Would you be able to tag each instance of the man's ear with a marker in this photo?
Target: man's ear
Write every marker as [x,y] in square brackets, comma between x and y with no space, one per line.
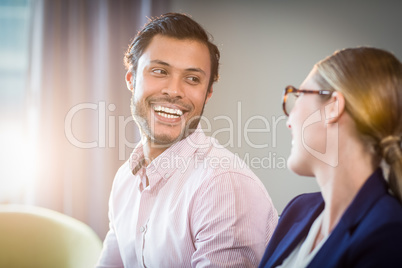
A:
[130,80]
[209,94]
[335,108]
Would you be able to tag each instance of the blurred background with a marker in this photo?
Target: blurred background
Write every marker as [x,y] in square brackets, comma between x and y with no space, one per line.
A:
[65,123]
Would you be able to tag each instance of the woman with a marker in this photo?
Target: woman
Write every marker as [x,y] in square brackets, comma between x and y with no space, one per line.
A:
[345,124]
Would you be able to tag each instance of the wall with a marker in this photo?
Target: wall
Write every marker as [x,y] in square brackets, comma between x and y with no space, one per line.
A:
[267,45]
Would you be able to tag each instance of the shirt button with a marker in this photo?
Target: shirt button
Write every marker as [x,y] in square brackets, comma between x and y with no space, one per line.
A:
[142,229]
[167,175]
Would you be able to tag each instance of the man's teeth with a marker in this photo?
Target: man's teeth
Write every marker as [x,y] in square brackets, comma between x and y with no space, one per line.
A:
[168,115]
[168,112]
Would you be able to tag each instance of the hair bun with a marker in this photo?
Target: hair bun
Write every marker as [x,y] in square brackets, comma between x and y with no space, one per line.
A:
[391,148]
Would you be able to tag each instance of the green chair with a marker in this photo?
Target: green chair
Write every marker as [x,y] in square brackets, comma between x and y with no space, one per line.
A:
[33,237]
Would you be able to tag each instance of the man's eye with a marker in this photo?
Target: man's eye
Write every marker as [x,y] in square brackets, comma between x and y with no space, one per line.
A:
[159,71]
[193,79]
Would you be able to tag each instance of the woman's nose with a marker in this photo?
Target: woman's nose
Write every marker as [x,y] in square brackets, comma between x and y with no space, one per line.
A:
[288,123]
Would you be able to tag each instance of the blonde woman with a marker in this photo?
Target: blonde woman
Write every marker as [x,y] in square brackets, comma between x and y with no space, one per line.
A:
[346,127]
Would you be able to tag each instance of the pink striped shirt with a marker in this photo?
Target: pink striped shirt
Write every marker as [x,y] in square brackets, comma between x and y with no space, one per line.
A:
[203,207]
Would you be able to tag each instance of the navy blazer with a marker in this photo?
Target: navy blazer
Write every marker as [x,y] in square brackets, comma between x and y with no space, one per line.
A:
[369,234]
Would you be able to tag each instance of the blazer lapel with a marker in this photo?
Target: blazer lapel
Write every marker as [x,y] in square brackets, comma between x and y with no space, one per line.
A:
[294,235]
[372,190]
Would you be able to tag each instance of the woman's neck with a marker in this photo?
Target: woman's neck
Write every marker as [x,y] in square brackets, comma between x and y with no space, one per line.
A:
[339,185]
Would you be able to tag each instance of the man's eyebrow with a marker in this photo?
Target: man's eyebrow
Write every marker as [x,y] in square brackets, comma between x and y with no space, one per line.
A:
[199,70]
[196,70]
[160,62]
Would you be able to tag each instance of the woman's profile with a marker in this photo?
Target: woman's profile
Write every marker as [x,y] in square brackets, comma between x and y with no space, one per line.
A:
[346,125]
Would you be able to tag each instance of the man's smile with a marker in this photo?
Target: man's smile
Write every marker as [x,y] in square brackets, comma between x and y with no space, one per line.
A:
[168,112]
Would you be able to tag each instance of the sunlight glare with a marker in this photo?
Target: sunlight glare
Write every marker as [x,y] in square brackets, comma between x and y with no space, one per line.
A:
[18,163]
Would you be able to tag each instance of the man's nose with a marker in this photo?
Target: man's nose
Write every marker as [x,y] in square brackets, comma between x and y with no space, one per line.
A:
[174,88]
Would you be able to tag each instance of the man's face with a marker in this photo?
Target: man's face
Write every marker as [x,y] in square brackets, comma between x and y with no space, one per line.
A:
[170,88]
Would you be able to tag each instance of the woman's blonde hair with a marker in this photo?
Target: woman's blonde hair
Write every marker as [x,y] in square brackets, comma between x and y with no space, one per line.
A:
[371,81]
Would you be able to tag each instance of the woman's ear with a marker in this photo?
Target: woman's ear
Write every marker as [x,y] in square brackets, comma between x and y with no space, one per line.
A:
[129,80]
[335,108]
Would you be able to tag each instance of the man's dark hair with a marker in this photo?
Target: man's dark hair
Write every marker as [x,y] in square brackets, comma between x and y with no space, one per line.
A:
[174,25]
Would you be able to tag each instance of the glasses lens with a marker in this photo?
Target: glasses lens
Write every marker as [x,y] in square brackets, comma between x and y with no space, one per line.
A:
[290,102]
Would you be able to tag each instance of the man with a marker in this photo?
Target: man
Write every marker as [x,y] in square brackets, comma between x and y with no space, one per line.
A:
[180,200]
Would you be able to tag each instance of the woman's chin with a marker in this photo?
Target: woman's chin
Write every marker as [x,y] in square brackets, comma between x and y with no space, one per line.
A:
[298,166]
[290,164]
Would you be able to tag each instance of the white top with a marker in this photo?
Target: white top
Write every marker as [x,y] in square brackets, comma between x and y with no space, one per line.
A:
[302,254]
[203,207]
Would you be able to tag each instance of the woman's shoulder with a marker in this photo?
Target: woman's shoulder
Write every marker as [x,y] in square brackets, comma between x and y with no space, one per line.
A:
[385,211]
[302,206]
[378,244]
[304,201]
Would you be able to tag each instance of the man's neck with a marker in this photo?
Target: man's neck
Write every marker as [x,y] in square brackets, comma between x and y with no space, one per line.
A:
[152,151]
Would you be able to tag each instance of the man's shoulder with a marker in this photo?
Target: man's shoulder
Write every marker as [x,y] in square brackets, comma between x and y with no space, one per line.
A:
[220,159]
[217,166]
[124,168]
[124,172]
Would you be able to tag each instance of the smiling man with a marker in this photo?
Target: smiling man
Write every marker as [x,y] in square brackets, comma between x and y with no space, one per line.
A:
[171,89]
[181,200]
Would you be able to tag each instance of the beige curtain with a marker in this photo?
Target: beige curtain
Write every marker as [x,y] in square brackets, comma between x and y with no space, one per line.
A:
[78,105]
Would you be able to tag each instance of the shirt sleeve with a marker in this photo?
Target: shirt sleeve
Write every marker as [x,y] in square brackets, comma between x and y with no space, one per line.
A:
[232,222]
[110,255]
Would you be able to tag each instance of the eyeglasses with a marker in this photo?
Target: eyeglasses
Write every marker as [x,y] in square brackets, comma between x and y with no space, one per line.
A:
[290,95]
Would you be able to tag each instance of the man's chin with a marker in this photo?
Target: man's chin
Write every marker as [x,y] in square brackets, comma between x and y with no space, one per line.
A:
[165,141]
[164,136]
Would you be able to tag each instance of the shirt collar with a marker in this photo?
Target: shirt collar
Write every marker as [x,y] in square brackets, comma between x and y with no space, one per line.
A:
[173,159]
[136,159]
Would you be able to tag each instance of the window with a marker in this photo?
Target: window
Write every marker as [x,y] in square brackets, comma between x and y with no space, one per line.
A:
[14,46]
